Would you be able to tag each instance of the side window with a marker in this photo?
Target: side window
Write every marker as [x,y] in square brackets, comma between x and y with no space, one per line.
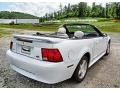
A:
[89,32]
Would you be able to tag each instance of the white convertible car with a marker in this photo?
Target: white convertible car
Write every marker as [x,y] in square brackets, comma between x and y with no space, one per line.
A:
[55,57]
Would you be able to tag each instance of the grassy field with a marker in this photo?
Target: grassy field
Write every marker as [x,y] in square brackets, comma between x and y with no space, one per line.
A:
[45,27]
[5,32]
[104,26]
[109,27]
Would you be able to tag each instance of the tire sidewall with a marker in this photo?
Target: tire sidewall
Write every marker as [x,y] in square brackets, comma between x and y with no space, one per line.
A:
[108,49]
[76,73]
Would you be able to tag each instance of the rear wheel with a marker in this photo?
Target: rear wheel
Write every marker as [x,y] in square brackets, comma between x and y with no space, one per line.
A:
[81,69]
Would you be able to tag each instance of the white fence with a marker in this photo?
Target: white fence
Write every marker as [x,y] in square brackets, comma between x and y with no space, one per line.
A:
[17,21]
[78,20]
[55,21]
[82,20]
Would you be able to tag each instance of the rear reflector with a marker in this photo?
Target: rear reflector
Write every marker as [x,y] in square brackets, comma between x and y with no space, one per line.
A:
[51,55]
[11,45]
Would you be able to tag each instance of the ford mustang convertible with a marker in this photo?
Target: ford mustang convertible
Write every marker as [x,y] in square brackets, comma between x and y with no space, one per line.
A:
[58,56]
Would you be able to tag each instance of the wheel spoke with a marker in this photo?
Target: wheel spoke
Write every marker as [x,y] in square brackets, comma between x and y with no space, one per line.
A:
[83,68]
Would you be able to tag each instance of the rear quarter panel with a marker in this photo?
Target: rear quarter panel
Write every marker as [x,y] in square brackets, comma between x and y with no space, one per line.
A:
[73,50]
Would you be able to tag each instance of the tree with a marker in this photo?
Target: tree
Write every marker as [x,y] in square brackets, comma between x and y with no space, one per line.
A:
[98,11]
[88,11]
[65,12]
[107,10]
[46,16]
[55,15]
[74,10]
[15,15]
[82,7]
[118,10]
[111,10]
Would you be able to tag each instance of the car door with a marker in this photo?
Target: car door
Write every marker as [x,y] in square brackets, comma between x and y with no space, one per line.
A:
[102,44]
[99,41]
[99,46]
[92,33]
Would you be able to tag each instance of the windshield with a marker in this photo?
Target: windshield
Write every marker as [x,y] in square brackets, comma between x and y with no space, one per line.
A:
[88,30]
[83,28]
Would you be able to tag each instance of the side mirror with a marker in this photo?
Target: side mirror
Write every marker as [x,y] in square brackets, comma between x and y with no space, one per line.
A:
[104,34]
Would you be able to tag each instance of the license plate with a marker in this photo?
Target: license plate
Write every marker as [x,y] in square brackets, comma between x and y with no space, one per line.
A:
[26,49]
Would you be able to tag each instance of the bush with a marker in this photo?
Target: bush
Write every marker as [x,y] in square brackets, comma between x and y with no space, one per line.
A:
[115,20]
[103,19]
[11,23]
[36,25]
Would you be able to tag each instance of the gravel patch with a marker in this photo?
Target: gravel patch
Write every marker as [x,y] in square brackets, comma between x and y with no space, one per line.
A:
[104,73]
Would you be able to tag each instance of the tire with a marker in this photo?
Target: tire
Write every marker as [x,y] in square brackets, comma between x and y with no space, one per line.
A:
[81,70]
[108,49]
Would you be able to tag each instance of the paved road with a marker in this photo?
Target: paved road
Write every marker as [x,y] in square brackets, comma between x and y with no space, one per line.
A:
[105,73]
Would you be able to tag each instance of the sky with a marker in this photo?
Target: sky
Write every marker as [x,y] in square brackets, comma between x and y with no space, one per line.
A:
[35,8]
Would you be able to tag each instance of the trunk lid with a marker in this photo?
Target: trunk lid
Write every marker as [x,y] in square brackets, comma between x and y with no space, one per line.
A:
[30,46]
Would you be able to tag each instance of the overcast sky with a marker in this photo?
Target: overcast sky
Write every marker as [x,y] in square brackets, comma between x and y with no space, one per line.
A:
[34,8]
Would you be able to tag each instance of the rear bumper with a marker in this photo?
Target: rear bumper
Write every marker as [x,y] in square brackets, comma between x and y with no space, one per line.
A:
[46,72]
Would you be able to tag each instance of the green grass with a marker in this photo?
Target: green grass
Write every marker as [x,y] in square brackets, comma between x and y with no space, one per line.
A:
[109,27]
[4,33]
[113,27]
[45,27]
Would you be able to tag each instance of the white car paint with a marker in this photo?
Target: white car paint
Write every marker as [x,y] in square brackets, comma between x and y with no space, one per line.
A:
[72,50]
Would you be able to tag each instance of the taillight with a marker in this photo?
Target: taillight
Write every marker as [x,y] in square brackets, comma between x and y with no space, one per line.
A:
[52,55]
[11,45]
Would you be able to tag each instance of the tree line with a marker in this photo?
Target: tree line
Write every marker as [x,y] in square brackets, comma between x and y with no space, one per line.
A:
[81,10]
[15,15]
